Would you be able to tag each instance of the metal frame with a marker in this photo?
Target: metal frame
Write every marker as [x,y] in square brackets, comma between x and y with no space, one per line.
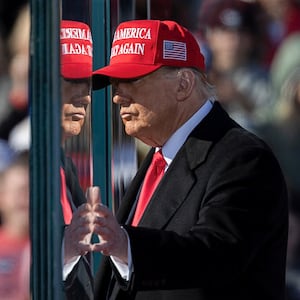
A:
[44,98]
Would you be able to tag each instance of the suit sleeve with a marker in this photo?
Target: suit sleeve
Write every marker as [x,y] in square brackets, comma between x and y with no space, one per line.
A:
[79,283]
[232,218]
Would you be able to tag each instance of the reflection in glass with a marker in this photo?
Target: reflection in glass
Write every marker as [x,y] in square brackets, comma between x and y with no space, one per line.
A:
[78,147]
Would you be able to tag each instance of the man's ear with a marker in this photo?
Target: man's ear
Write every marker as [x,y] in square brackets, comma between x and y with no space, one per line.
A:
[186,84]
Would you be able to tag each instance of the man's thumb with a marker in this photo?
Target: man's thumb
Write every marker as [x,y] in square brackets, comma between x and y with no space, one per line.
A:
[93,195]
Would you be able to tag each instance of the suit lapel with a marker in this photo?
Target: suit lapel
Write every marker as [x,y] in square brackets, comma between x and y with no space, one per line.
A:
[175,185]
[179,178]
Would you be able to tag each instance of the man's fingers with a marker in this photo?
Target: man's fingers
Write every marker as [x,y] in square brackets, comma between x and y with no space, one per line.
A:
[93,195]
[83,247]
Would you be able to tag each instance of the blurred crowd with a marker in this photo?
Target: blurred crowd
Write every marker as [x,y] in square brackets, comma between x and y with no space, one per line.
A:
[253,58]
[14,79]
[252,52]
[14,229]
[14,151]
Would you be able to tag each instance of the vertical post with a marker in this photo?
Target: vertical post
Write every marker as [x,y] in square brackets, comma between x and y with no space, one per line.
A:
[44,95]
[101,104]
[101,107]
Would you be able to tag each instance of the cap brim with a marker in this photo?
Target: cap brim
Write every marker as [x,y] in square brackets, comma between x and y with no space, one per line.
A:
[122,71]
[76,70]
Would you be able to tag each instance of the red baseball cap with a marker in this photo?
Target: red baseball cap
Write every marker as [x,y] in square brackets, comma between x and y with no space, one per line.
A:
[140,47]
[76,50]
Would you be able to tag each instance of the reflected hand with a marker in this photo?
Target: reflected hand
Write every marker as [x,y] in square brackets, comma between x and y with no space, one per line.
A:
[77,237]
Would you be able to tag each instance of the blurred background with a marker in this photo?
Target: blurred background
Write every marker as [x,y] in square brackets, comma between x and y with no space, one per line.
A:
[252,53]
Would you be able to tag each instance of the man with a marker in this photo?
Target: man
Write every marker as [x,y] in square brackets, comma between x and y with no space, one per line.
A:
[76,72]
[216,225]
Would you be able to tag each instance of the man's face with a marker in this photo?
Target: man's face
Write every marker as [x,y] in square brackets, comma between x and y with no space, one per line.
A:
[76,95]
[148,105]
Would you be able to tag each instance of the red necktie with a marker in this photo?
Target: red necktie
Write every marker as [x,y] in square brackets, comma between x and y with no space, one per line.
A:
[66,207]
[154,174]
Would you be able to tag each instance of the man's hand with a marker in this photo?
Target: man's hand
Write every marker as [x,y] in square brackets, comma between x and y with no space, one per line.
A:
[94,217]
[112,238]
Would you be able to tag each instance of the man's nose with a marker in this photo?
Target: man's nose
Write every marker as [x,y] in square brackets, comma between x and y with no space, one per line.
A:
[83,95]
[82,99]
[120,93]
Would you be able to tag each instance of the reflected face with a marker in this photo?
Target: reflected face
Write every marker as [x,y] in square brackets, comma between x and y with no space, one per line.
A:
[76,96]
[146,103]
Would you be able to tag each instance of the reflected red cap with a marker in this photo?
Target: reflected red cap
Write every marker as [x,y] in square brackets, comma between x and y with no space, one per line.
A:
[76,50]
[140,47]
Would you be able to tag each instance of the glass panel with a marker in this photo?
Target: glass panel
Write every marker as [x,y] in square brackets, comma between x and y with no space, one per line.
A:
[128,152]
[124,154]
[78,146]
[75,160]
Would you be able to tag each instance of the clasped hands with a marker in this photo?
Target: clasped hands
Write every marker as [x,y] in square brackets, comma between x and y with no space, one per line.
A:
[94,218]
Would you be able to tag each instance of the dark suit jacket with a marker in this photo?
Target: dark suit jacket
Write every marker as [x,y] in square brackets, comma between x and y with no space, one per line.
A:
[79,283]
[216,227]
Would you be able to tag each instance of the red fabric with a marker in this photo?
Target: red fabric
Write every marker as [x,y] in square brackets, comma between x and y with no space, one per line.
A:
[76,50]
[142,46]
[152,178]
[66,207]
[14,267]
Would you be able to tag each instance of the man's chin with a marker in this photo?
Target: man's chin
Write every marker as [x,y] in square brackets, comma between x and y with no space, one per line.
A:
[72,130]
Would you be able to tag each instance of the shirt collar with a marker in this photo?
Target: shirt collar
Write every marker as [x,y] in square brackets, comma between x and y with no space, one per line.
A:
[174,143]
